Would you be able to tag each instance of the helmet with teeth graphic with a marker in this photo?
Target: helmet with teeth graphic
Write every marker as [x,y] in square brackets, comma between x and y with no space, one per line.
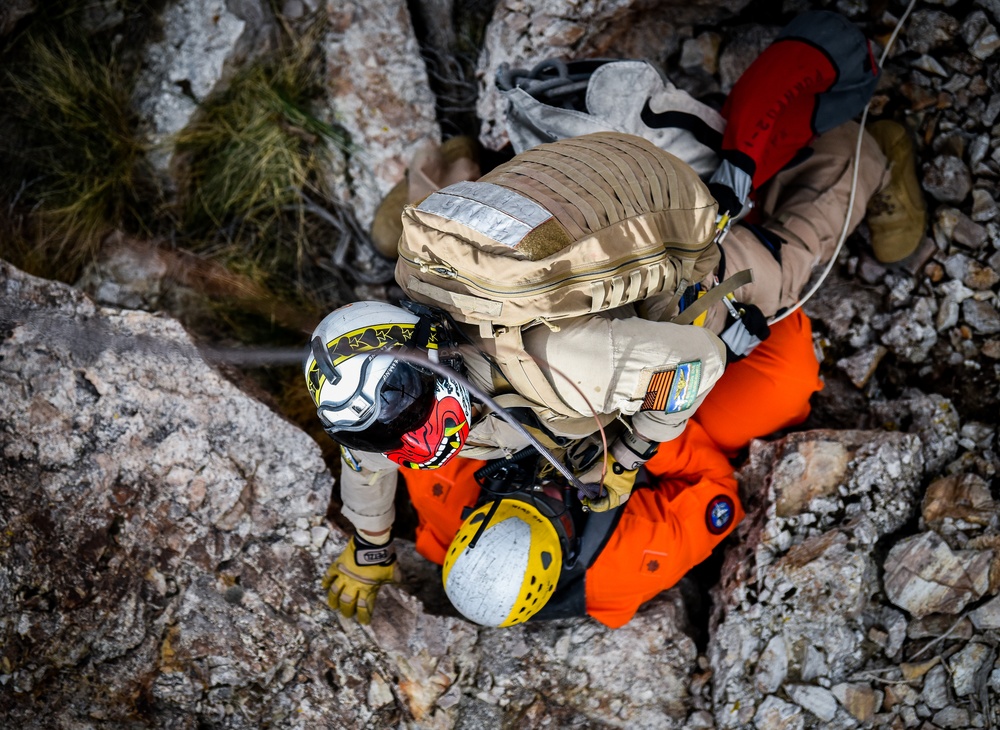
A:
[371,401]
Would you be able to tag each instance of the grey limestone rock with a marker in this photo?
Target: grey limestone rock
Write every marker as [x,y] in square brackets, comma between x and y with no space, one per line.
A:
[525,32]
[818,700]
[912,333]
[935,694]
[969,668]
[861,366]
[773,666]
[379,92]
[815,502]
[924,576]
[776,714]
[153,503]
[204,40]
[929,29]
[987,616]
[947,178]
[981,315]
[596,671]
[933,417]
[992,7]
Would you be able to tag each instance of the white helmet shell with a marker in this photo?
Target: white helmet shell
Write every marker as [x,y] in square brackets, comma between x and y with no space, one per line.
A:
[371,400]
[353,335]
[513,568]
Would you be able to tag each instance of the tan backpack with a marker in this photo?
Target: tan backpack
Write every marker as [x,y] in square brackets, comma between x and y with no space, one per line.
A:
[565,229]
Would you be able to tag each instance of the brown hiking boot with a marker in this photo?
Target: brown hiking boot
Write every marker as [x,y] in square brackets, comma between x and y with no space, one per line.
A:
[897,214]
[433,167]
[387,225]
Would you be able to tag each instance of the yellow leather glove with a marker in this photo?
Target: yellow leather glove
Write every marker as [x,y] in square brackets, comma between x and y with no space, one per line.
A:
[625,456]
[618,483]
[356,575]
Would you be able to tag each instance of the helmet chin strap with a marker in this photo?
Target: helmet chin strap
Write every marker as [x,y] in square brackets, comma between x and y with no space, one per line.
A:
[436,322]
[323,360]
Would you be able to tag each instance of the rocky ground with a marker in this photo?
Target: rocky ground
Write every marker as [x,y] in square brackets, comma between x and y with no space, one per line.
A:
[162,533]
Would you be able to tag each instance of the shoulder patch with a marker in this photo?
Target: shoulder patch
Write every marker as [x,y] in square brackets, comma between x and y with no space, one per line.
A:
[673,390]
[349,459]
[719,514]
[657,391]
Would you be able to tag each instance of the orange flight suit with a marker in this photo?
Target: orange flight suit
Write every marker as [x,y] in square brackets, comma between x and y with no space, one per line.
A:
[693,504]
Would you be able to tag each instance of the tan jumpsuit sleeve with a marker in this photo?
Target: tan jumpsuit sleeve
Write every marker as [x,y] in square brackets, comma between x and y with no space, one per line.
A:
[368,490]
[657,373]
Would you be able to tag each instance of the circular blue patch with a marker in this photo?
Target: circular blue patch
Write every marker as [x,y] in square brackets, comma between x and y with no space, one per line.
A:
[719,514]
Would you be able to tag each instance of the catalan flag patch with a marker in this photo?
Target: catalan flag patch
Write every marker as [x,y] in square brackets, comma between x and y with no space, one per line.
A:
[673,390]
[658,391]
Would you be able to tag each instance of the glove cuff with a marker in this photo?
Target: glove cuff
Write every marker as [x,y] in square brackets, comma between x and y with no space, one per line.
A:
[367,553]
[632,451]
[748,329]
[727,199]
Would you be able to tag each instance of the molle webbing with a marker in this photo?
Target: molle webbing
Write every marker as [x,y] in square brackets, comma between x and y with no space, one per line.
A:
[566,229]
[594,182]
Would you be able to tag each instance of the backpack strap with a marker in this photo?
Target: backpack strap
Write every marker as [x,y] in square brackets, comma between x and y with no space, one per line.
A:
[534,390]
[714,295]
[524,374]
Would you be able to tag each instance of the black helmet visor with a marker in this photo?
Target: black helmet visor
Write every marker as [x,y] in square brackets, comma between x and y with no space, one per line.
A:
[403,402]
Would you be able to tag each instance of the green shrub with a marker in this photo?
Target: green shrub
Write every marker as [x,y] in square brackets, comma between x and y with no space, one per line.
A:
[73,154]
[250,160]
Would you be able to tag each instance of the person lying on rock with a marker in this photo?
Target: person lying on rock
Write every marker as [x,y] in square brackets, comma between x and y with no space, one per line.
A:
[582,287]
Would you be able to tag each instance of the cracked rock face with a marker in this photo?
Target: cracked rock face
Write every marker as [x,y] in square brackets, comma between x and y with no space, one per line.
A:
[162,535]
[150,568]
[203,41]
[599,679]
[143,496]
[376,81]
[378,92]
[924,576]
[790,609]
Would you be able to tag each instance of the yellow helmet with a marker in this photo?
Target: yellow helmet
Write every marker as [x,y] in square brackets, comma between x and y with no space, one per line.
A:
[503,573]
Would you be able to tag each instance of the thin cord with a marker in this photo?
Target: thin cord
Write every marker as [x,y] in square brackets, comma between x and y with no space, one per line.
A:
[854,181]
[446,372]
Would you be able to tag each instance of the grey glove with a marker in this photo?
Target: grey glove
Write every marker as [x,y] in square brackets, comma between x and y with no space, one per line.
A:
[748,329]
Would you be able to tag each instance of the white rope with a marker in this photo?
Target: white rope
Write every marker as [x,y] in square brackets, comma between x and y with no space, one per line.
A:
[854,181]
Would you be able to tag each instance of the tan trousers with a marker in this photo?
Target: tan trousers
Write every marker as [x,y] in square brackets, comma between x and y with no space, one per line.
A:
[806,206]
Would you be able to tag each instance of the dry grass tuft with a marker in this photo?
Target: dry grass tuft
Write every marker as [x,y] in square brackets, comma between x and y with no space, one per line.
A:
[83,165]
[250,163]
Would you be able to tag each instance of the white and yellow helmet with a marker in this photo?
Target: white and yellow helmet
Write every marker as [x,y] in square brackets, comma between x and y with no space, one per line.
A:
[369,400]
[504,573]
